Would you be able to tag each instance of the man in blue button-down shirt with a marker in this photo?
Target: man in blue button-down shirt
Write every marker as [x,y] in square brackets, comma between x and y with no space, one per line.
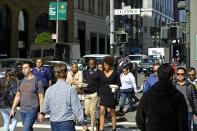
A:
[152,79]
[42,73]
[62,102]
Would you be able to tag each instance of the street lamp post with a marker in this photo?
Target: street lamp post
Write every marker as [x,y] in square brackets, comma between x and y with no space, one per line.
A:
[57,23]
[111,27]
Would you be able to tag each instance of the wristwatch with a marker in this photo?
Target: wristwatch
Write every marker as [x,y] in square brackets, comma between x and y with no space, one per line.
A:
[42,113]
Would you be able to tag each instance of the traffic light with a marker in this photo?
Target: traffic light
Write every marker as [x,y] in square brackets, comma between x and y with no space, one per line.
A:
[176,32]
[173,32]
[121,37]
[152,31]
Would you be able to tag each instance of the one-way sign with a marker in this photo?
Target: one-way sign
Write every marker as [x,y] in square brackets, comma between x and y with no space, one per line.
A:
[126,11]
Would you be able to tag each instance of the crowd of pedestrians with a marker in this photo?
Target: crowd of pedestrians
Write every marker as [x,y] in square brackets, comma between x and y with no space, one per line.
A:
[169,101]
[36,95]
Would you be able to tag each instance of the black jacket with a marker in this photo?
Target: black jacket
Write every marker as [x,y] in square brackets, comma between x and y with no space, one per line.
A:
[192,95]
[7,95]
[162,108]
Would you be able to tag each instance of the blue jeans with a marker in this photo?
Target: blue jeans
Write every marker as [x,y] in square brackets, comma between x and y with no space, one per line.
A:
[126,93]
[190,119]
[28,118]
[6,117]
[63,126]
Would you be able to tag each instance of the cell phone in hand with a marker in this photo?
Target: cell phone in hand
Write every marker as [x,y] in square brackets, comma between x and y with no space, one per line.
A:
[12,115]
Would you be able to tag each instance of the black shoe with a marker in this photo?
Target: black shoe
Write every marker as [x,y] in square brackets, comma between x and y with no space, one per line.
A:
[121,109]
[121,112]
[114,129]
[129,110]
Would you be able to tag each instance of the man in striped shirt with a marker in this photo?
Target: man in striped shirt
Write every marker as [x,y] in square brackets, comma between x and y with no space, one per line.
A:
[62,102]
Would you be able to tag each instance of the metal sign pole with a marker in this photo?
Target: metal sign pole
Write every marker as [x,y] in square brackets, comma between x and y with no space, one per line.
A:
[57,23]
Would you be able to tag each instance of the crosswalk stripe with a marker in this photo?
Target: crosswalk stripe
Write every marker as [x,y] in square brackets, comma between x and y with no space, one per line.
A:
[42,126]
[47,126]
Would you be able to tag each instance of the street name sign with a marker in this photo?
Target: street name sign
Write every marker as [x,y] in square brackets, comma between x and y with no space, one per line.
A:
[126,11]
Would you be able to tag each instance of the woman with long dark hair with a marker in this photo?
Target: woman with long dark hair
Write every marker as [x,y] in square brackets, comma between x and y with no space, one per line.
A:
[7,93]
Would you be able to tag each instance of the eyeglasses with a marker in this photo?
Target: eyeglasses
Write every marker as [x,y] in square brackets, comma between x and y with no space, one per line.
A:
[191,74]
[180,74]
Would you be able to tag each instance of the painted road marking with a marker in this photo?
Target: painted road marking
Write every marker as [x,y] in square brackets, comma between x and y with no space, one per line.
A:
[47,126]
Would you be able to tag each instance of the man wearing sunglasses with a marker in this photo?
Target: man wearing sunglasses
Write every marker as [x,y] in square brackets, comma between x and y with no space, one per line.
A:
[192,76]
[190,94]
[152,79]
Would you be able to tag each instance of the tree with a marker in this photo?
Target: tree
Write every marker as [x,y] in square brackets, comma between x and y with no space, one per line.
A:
[43,37]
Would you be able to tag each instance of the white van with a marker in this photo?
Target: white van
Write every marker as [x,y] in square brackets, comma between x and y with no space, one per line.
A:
[136,58]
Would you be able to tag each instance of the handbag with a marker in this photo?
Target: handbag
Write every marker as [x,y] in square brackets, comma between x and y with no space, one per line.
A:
[98,112]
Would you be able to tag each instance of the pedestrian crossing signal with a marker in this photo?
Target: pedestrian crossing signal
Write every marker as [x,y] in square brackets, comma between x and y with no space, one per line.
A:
[121,37]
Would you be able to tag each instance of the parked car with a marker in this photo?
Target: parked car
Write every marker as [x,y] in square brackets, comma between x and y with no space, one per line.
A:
[147,65]
[12,63]
[83,61]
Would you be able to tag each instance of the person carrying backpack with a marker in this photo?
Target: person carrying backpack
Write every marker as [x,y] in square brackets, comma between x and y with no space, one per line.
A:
[7,93]
[30,94]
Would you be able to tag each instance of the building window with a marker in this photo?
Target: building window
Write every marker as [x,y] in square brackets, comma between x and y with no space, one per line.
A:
[91,6]
[101,8]
[79,4]
[157,5]
[107,8]
[4,18]
[82,5]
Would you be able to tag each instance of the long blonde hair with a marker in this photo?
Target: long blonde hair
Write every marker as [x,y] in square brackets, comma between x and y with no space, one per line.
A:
[9,75]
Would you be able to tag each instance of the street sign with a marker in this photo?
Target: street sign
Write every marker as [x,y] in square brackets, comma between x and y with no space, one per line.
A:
[52,10]
[126,11]
[62,10]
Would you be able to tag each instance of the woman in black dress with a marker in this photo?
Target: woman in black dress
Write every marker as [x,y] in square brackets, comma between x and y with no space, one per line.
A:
[107,100]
